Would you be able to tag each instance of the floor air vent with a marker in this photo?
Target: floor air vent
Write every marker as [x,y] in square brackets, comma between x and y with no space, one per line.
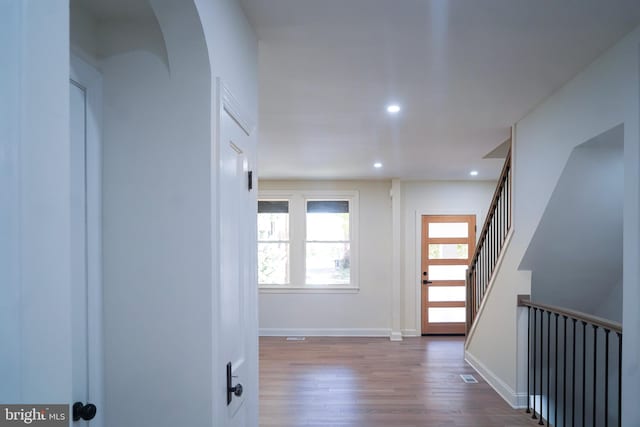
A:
[468,378]
[296,338]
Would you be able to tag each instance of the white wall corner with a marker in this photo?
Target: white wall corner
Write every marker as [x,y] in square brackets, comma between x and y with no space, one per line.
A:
[396,259]
[515,399]
[521,352]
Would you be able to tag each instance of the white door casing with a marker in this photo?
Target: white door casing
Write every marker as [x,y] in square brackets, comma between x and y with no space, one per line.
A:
[85,160]
[237,297]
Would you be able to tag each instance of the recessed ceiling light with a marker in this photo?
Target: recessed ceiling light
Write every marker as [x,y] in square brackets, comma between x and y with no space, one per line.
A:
[473,173]
[377,165]
[393,108]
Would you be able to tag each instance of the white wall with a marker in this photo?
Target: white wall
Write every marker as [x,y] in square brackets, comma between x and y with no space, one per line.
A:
[433,198]
[35,320]
[366,312]
[575,254]
[233,50]
[157,260]
[601,97]
[610,306]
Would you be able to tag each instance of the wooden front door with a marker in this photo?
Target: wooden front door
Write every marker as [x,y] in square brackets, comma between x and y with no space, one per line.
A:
[448,242]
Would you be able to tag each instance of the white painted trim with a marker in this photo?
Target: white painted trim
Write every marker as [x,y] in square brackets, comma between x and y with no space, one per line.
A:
[395,300]
[306,290]
[395,336]
[231,105]
[410,333]
[496,271]
[515,400]
[333,332]
[90,78]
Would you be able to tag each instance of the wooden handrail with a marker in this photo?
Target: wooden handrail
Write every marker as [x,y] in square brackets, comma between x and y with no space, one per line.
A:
[492,207]
[525,301]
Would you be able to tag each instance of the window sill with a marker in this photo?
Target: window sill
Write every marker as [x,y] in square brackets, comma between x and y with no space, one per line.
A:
[307,290]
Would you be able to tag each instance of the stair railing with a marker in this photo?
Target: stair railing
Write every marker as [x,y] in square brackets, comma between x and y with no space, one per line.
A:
[574,361]
[490,243]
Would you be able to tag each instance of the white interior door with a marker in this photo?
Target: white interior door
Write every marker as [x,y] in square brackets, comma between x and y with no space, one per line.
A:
[238,289]
[86,315]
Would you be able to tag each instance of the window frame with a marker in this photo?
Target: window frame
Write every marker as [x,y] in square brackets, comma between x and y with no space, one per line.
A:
[297,240]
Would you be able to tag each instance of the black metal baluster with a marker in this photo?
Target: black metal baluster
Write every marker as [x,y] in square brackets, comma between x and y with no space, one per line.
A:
[595,371]
[504,215]
[482,265]
[619,379]
[479,283]
[548,363]
[491,248]
[584,371]
[555,409]
[573,377]
[564,374]
[481,261]
[500,219]
[507,178]
[535,355]
[541,361]
[606,377]
[528,359]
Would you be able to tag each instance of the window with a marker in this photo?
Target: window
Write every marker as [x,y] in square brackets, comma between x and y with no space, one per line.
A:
[328,243]
[307,241]
[273,242]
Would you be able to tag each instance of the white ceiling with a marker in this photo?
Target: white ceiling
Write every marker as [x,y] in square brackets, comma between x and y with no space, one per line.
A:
[462,70]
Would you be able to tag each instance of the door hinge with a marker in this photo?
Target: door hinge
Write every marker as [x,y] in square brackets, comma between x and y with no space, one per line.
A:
[250,181]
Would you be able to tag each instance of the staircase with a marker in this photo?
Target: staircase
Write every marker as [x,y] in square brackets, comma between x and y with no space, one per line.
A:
[490,244]
[573,359]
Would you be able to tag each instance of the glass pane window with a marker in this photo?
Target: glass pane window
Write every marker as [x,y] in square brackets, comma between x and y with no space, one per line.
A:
[273,220]
[273,242]
[328,264]
[448,251]
[447,293]
[448,229]
[273,263]
[327,220]
[447,314]
[328,258]
[447,272]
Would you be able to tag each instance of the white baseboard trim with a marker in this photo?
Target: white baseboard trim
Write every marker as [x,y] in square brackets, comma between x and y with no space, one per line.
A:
[410,333]
[515,400]
[396,336]
[335,332]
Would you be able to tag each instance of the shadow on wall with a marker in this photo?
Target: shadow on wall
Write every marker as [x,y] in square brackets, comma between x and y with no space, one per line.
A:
[575,255]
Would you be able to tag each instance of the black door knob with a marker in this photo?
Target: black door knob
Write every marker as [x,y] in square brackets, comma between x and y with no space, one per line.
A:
[85,412]
[237,390]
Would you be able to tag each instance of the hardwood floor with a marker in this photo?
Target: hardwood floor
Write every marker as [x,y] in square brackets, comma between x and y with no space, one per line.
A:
[371,382]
